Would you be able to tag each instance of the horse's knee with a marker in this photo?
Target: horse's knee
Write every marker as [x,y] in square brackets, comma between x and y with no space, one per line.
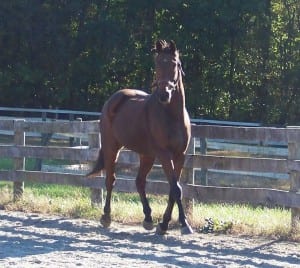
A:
[110,182]
[176,191]
[140,186]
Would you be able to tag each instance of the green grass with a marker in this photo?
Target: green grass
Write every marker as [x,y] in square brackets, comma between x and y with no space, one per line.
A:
[75,202]
[246,219]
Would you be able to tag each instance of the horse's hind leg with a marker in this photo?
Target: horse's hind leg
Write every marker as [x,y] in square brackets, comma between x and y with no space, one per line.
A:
[146,164]
[110,154]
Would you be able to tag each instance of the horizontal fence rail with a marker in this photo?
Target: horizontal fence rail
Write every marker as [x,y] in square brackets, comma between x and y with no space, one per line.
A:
[203,161]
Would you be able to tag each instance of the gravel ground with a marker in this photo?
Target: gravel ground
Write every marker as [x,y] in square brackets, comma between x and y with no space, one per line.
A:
[34,240]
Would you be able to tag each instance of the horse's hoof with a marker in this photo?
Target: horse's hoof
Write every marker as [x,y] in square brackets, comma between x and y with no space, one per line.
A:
[186,230]
[105,221]
[160,230]
[148,225]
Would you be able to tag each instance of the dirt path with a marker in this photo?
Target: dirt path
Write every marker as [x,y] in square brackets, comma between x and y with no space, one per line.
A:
[33,240]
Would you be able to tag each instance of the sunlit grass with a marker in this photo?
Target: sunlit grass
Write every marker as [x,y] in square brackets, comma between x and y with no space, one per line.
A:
[246,219]
[75,202]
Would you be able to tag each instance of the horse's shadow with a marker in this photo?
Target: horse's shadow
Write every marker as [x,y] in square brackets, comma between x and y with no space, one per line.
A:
[21,237]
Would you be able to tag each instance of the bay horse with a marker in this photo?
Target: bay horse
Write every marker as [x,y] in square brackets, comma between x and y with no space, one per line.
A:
[154,125]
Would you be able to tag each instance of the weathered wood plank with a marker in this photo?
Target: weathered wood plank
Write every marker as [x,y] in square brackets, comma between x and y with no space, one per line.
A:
[7,125]
[80,153]
[259,196]
[247,148]
[52,178]
[122,185]
[62,126]
[240,133]
[237,163]
[201,131]
[49,111]
[127,157]
[53,152]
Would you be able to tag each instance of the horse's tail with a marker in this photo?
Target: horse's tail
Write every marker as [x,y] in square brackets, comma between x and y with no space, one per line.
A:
[99,165]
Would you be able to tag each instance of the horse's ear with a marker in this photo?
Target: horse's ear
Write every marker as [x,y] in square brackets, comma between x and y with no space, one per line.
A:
[173,46]
[158,46]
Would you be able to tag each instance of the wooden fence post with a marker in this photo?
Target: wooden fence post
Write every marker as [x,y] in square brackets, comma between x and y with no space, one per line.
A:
[19,163]
[71,139]
[78,139]
[188,176]
[45,138]
[294,154]
[96,194]
[203,171]
[74,141]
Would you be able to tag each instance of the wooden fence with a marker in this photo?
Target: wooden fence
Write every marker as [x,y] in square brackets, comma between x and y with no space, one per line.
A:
[262,196]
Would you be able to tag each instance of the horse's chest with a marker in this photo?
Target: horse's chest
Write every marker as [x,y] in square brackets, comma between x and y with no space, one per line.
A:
[173,136]
[169,131]
[176,137]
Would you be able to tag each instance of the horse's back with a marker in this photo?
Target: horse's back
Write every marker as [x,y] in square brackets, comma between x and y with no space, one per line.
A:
[119,98]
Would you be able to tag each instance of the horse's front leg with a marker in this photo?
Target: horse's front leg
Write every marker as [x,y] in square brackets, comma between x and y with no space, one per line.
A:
[178,165]
[162,227]
[172,170]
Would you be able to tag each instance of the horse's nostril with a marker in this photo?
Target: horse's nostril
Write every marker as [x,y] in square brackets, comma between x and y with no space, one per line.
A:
[164,97]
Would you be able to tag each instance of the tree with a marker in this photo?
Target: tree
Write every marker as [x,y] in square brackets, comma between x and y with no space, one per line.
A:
[241,58]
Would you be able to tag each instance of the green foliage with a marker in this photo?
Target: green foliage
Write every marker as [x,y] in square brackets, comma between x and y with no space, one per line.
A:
[241,58]
[7,164]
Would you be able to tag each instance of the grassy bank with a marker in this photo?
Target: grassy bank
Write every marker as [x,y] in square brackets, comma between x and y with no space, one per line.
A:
[126,208]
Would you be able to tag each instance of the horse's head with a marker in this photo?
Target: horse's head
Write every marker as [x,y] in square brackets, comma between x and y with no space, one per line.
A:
[168,70]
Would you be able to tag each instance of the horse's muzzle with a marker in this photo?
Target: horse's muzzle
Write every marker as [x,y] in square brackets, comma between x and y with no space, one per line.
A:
[165,96]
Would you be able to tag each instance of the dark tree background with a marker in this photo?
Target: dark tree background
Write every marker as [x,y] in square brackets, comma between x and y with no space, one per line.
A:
[241,58]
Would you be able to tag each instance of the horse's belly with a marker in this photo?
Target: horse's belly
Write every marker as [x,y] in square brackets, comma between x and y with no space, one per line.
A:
[129,127]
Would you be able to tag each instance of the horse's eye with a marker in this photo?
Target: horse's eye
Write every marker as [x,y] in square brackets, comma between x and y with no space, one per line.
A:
[180,68]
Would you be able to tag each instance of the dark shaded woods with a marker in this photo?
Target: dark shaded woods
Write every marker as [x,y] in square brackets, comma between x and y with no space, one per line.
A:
[241,58]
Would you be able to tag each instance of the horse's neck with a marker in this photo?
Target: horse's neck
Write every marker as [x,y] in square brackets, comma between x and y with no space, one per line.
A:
[177,105]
